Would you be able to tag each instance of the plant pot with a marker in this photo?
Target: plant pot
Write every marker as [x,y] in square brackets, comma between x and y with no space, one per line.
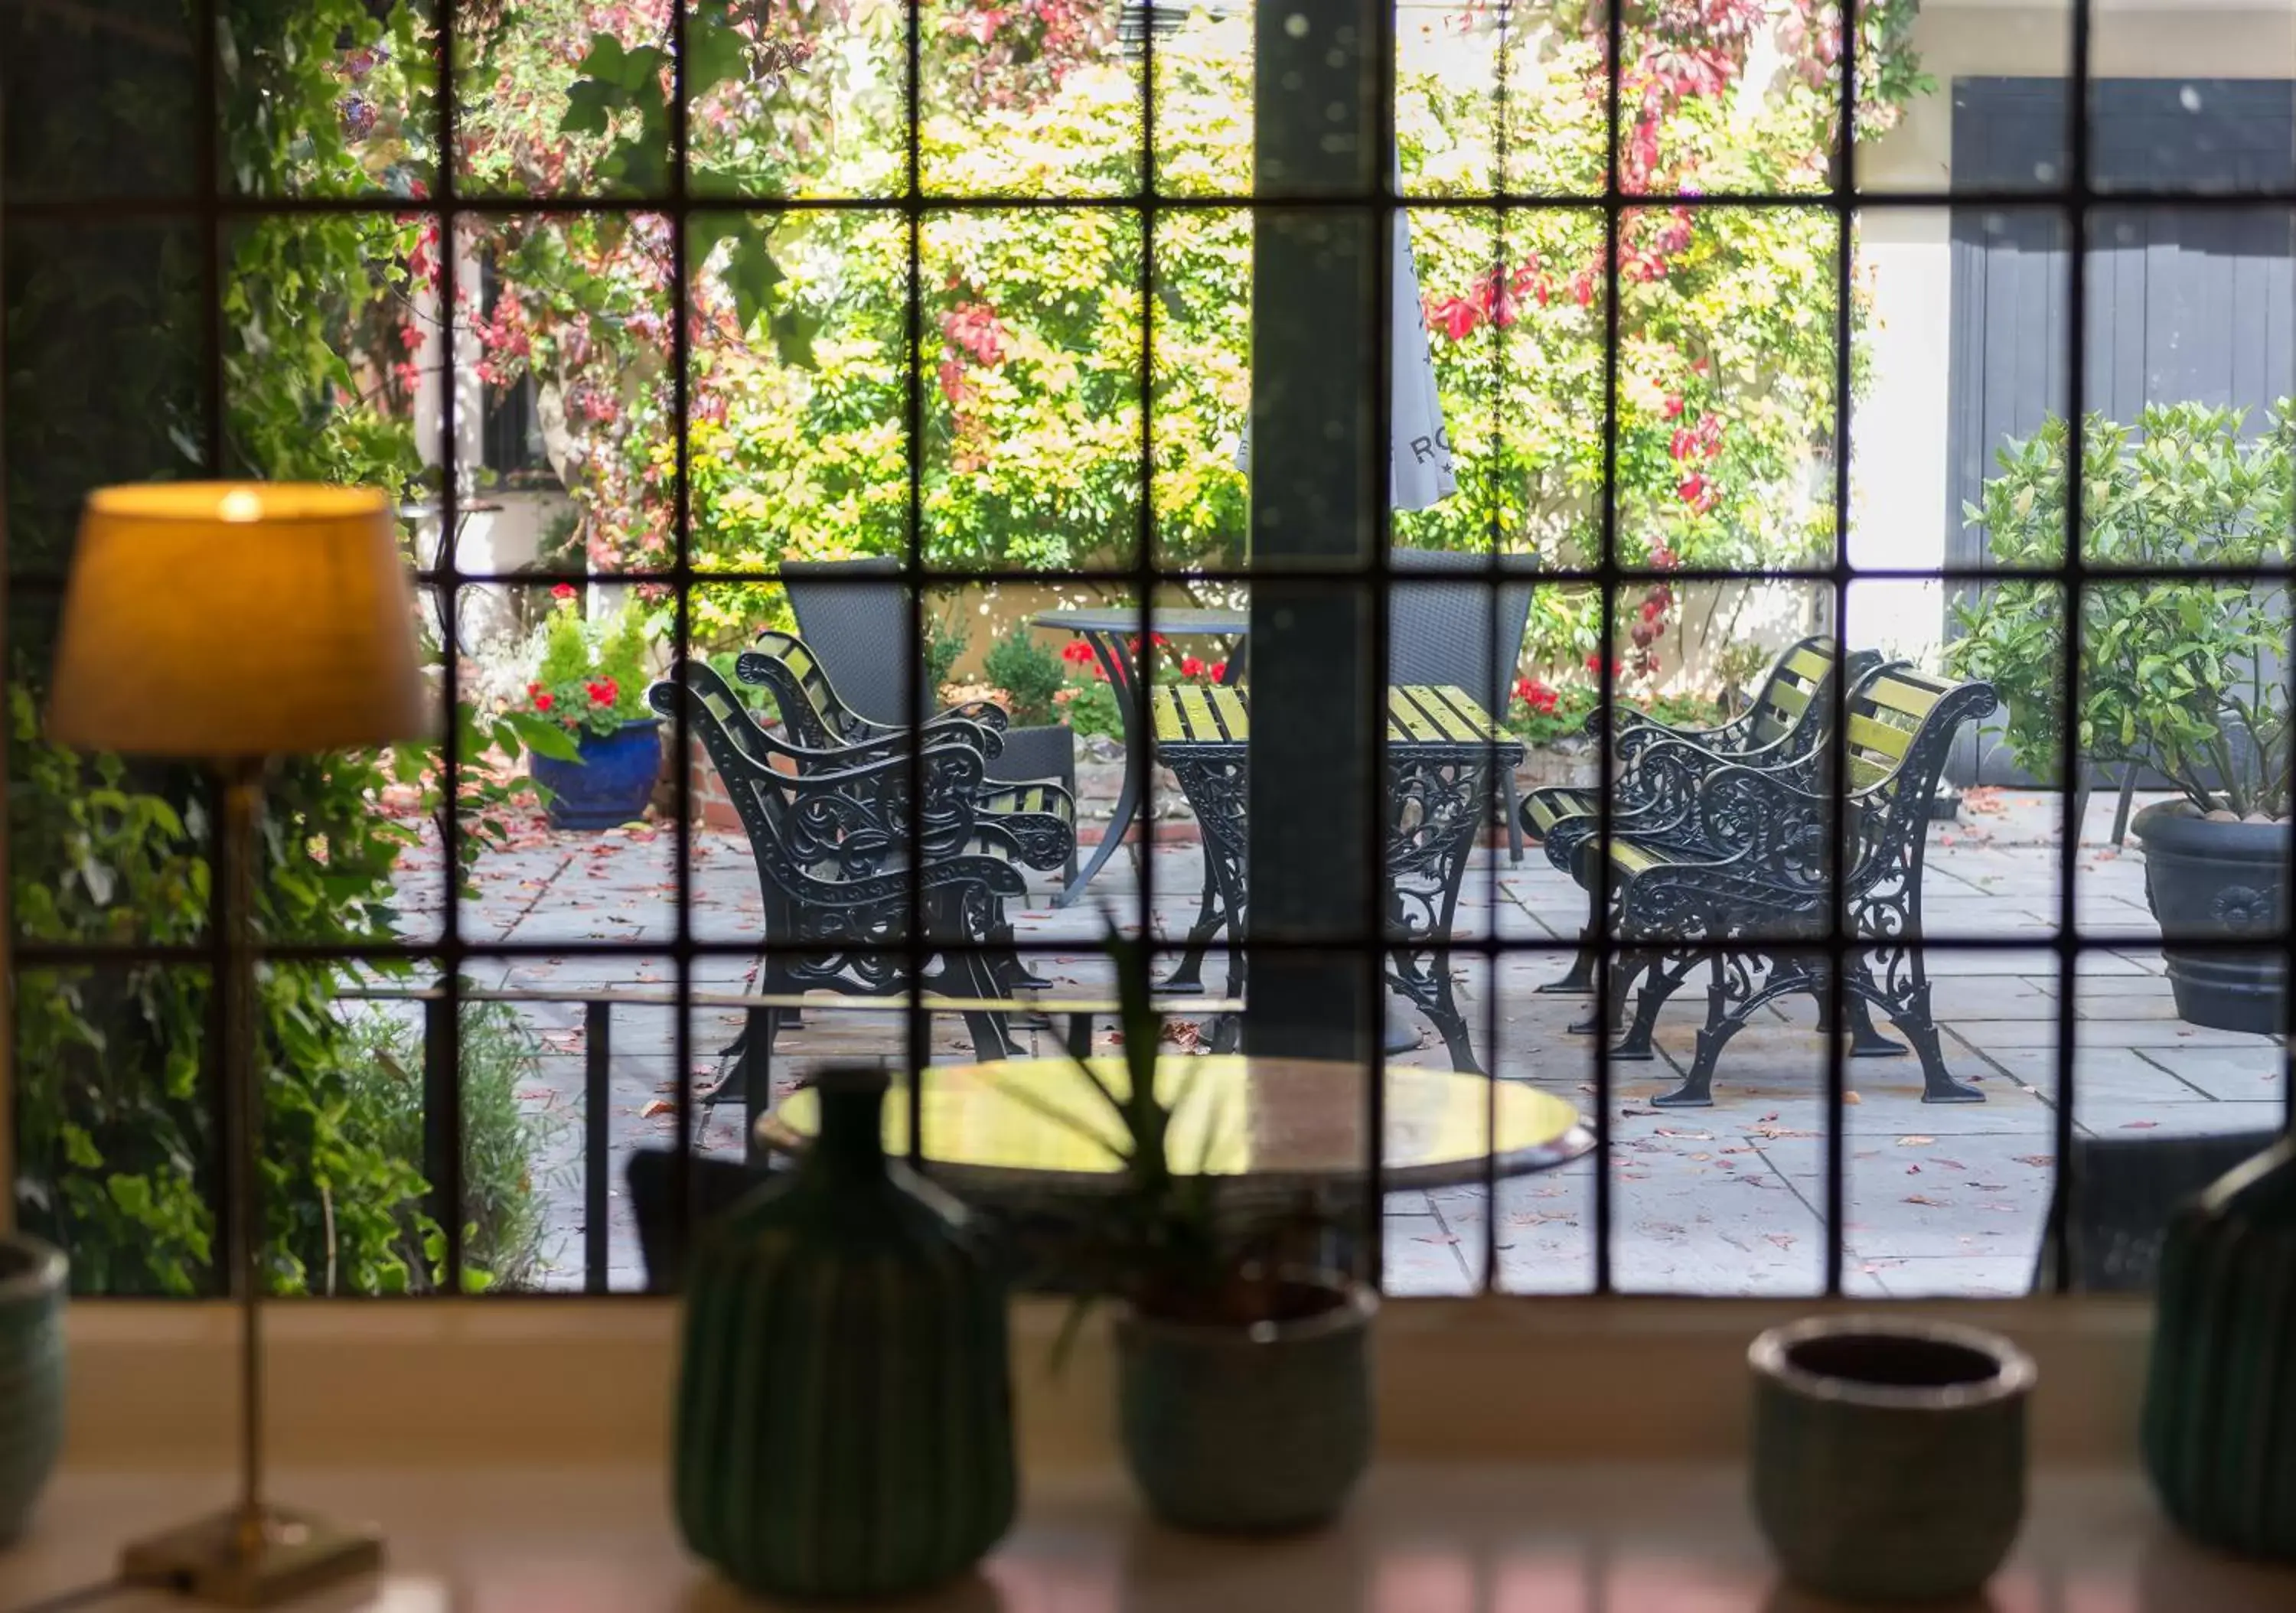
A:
[1889,1456]
[612,782]
[2207,877]
[2219,1430]
[31,1375]
[1249,1430]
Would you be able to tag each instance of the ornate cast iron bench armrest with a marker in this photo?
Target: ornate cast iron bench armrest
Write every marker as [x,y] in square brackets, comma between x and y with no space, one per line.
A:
[981,724]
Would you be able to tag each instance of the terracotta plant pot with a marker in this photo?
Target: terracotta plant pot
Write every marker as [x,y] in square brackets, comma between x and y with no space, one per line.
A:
[1889,1456]
[1249,1430]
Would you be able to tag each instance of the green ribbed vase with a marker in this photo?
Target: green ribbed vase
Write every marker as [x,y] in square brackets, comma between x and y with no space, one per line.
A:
[2221,1400]
[31,1375]
[844,1403]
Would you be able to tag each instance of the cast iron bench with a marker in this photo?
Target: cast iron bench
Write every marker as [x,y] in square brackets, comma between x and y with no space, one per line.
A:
[1746,883]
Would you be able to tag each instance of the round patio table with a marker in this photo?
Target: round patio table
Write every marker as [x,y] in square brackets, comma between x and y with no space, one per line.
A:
[1023,1129]
[1109,631]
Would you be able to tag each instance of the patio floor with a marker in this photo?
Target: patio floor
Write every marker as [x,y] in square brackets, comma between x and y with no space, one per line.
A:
[1940,1199]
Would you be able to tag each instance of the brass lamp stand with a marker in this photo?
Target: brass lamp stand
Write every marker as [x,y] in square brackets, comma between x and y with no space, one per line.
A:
[232,624]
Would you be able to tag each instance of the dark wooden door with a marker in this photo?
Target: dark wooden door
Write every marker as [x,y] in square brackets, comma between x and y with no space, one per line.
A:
[2185,304]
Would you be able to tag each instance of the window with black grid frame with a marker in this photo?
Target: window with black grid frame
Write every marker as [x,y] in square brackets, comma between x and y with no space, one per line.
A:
[1387,462]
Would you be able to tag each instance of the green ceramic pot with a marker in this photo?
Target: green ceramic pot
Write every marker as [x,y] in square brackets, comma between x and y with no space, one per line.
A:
[31,1375]
[1249,1430]
[1889,1456]
[844,1414]
[2220,1432]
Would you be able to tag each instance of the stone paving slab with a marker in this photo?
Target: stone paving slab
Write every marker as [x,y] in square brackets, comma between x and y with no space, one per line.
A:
[1724,1199]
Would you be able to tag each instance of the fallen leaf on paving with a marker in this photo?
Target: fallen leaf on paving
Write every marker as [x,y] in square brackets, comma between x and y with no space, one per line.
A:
[1851,1098]
[2139,1125]
[1951,1165]
[1913,1170]
[1782,1240]
[1702,1156]
[1991,1187]
[656,1106]
[1922,1199]
[1915,1141]
[2041,1161]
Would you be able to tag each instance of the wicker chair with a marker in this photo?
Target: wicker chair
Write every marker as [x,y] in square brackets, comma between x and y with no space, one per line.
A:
[1448,632]
[853,615]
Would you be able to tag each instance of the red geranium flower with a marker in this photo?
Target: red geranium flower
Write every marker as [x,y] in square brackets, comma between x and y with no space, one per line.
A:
[1219,672]
[1075,652]
[563,591]
[1191,666]
[1650,608]
[1671,408]
[543,702]
[1594,662]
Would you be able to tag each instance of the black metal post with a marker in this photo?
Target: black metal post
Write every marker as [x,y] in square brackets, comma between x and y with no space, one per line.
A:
[1318,479]
[597,1171]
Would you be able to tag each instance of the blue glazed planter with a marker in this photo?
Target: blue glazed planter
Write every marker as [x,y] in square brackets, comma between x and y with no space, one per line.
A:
[31,1375]
[1248,1430]
[1889,1454]
[612,782]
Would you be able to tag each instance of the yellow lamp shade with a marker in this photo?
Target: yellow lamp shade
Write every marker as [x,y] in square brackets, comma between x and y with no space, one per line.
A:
[224,619]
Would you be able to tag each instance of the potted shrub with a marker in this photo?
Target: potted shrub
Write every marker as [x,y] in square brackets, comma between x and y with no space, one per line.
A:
[2184,676]
[592,683]
[1243,1368]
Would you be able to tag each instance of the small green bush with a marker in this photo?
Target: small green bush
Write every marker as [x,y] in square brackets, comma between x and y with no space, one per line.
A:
[382,1095]
[591,677]
[1028,673]
[1092,708]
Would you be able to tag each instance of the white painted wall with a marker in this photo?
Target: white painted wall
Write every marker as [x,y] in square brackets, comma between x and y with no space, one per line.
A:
[1899,486]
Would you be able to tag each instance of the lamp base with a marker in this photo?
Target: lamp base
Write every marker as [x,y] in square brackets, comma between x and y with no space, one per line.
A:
[232,1560]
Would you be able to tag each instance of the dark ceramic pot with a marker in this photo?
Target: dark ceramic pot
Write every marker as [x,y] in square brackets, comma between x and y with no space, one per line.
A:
[612,782]
[1889,1456]
[2220,880]
[1252,1429]
[2219,1432]
[31,1375]
[844,1420]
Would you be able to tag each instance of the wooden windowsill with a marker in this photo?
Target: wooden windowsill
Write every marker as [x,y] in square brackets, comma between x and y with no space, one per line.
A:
[1420,1538]
[446,1382]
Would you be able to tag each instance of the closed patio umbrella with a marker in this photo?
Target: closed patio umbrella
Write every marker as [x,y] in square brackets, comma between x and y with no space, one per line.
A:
[1418,448]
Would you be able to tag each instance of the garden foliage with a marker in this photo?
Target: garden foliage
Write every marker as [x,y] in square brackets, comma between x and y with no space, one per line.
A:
[2187,676]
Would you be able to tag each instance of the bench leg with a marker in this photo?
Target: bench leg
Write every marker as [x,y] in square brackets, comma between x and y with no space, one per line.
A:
[1722,1022]
[1190,974]
[1659,983]
[1912,1020]
[1864,1041]
[745,1082]
[1624,970]
[976,973]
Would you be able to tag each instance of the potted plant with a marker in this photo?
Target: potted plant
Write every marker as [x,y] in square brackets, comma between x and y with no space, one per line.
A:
[590,683]
[1243,1369]
[2184,676]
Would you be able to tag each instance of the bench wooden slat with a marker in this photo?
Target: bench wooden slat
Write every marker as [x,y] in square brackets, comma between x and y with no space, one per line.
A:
[1811,662]
[1902,693]
[1867,733]
[1196,712]
[1403,712]
[1791,698]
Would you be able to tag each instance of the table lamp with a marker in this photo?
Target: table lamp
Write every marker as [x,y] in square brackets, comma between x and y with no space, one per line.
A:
[228,624]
